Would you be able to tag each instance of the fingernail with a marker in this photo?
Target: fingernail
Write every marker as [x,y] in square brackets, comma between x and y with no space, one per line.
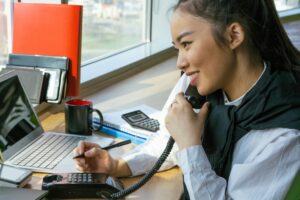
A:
[89,152]
[81,161]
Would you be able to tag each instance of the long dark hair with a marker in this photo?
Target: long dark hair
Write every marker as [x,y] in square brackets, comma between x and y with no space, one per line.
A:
[265,35]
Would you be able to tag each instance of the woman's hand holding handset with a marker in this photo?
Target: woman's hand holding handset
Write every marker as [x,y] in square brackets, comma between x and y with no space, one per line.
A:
[184,125]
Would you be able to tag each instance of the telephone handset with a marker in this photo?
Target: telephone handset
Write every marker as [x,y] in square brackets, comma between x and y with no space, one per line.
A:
[196,102]
[95,185]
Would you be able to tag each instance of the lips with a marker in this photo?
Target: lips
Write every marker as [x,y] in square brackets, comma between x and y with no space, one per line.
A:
[193,77]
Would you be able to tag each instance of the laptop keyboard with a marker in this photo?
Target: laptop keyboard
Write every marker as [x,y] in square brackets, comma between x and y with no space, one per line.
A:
[47,151]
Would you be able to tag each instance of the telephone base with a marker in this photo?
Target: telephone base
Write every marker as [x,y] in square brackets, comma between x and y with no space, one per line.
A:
[65,186]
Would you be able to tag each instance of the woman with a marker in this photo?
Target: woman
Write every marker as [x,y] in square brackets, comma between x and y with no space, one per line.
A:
[244,143]
[237,54]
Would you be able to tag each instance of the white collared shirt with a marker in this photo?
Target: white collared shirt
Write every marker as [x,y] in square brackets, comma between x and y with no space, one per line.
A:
[263,167]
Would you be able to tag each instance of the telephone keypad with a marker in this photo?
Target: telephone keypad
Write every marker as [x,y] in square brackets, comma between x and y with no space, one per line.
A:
[80,178]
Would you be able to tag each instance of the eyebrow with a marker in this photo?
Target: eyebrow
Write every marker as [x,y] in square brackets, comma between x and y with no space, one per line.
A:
[183,35]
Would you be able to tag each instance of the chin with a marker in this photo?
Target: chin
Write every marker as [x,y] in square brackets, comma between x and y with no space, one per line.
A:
[204,91]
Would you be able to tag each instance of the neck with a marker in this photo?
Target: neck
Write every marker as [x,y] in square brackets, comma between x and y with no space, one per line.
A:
[245,74]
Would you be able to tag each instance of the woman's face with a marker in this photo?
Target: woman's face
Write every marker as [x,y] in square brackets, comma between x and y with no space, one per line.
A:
[208,65]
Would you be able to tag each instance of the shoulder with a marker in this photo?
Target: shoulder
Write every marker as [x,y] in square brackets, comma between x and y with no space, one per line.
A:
[285,76]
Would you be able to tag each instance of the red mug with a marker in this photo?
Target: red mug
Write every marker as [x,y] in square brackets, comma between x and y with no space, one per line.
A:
[79,117]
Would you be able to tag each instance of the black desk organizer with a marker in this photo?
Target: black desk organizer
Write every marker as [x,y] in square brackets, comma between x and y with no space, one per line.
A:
[43,77]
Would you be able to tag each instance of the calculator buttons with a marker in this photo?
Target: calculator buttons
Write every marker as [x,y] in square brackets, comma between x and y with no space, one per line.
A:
[148,124]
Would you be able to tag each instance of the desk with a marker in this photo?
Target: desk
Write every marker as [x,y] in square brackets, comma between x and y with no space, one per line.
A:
[151,87]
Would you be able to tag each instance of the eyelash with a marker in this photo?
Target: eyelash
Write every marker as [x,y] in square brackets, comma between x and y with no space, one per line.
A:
[185,44]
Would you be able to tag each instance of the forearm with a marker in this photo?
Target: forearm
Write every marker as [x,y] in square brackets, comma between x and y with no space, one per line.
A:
[201,181]
[143,157]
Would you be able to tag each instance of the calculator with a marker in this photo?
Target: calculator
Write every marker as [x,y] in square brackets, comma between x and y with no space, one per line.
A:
[139,119]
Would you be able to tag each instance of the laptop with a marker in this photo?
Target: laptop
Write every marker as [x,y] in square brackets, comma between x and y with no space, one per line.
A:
[23,139]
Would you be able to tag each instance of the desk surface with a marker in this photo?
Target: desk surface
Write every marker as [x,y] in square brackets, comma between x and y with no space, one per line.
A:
[149,87]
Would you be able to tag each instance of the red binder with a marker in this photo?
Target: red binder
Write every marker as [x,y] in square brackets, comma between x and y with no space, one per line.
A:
[51,30]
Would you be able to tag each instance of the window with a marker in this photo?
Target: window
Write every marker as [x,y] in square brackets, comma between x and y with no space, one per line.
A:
[151,35]
[110,26]
[4,31]
[116,33]
[286,4]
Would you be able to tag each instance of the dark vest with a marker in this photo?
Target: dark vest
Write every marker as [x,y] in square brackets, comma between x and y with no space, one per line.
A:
[274,102]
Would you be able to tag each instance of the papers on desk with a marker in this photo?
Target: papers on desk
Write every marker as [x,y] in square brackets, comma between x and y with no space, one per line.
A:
[116,126]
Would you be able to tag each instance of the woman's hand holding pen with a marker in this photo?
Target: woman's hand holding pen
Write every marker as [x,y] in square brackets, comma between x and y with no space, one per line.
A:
[95,159]
[184,125]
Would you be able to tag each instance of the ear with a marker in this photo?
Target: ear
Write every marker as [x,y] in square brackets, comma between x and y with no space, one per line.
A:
[235,35]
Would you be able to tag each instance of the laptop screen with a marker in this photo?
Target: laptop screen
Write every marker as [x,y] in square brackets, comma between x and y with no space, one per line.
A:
[17,118]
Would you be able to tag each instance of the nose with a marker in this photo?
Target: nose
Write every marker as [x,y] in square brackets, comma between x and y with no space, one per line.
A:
[181,61]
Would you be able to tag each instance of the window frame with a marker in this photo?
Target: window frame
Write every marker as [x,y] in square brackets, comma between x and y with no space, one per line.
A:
[138,55]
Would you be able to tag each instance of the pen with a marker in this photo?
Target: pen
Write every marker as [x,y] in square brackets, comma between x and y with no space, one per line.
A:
[108,147]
